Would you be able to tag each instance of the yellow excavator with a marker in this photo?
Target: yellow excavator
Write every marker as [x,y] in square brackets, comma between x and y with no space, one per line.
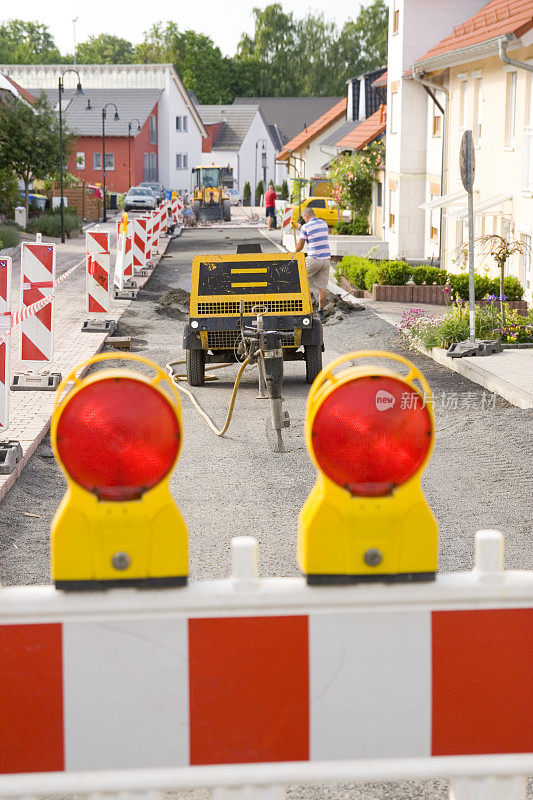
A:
[210,200]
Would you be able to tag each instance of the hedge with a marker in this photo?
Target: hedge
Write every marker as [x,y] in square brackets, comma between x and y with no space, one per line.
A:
[9,236]
[49,224]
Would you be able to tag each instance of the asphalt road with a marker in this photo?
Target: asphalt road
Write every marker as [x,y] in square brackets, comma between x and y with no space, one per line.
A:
[479,476]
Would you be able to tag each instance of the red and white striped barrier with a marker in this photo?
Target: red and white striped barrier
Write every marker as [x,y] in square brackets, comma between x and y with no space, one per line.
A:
[249,671]
[5,344]
[118,278]
[148,239]
[38,267]
[140,237]
[98,267]
[128,246]
[287,218]
[156,224]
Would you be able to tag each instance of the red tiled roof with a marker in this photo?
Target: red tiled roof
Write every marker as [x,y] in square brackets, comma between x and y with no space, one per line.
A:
[497,18]
[313,130]
[381,81]
[29,98]
[366,132]
[213,130]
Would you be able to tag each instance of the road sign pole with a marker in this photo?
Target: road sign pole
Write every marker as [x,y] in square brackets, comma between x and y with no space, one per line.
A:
[471,285]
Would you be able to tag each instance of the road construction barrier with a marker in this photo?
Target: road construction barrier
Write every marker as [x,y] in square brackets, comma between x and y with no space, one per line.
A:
[287,218]
[6,265]
[118,278]
[149,249]
[140,235]
[98,268]
[125,226]
[38,269]
[156,223]
[312,685]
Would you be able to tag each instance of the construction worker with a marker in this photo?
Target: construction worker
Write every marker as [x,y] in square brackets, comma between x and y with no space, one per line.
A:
[315,233]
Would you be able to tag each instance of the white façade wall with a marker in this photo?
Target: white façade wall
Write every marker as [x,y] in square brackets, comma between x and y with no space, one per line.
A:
[250,166]
[173,142]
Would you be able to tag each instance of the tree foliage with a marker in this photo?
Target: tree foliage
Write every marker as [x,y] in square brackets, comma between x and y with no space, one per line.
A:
[353,176]
[105,49]
[29,140]
[27,43]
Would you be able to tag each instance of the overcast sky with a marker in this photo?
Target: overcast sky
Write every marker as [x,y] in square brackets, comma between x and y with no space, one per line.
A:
[222,20]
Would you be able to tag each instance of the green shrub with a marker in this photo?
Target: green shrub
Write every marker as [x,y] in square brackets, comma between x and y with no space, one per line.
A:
[512,288]
[9,193]
[460,283]
[49,224]
[393,273]
[9,236]
[354,269]
[259,190]
[427,331]
[246,194]
[356,227]
[68,210]
[429,275]
[284,191]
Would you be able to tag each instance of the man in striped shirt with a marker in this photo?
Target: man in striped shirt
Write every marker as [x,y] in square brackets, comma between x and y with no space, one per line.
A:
[315,234]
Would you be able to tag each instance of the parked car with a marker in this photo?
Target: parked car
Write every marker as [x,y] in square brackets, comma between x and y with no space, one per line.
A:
[324,207]
[157,188]
[139,197]
[235,197]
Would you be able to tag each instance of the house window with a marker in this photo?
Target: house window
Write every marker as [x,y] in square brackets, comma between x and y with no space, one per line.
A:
[379,199]
[185,161]
[153,167]
[179,123]
[97,161]
[147,166]
[478,110]
[153,129]
[463,103]
[510,110]
[435,221]
[80,160]
[178,160]
[109,162]
[525,266]
[395,18]
[392,209]
[437,122]
[185,123]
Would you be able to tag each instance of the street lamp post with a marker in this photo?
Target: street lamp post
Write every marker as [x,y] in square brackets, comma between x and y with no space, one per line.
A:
[116,118]
[130,123]
[61,89]
[263,142]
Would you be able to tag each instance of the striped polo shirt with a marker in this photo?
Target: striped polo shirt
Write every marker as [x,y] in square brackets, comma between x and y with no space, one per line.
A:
[315,233]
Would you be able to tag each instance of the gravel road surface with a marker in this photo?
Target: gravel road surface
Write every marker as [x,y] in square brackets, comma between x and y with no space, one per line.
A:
[479,476]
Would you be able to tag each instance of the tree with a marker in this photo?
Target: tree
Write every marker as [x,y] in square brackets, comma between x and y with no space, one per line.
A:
[273,48]
[501,250]
[27,43]
[29,140]
[105,49]
[199,63]
[284,191]
[9,193]
[353,176]
[362,44]
[315,70]
[259,191]
[246,194]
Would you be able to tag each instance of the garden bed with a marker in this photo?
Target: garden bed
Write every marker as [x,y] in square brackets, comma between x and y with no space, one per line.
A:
[410,293]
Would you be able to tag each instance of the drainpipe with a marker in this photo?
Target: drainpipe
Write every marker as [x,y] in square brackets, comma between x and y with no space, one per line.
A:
[431,88]
[502,49]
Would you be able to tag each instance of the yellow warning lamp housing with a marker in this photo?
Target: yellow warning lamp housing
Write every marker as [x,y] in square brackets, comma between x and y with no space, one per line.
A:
[117,435]
[123,225]
[369,431]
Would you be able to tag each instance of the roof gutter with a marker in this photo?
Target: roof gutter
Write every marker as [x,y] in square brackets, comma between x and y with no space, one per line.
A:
[502,52]
[431,88]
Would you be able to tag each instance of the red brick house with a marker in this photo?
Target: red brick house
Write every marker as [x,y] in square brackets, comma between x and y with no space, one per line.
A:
[137,153]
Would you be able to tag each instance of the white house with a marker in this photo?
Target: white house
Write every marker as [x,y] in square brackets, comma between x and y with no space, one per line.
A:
[414,133]
[239,138]
[180,129]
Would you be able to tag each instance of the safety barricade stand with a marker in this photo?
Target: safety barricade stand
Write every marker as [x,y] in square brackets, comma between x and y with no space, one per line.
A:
[149,262]
[125,286]
[140,235]
[247,684]
[156,222]
[286,222]
[10,450]
[98,284]
[38,270]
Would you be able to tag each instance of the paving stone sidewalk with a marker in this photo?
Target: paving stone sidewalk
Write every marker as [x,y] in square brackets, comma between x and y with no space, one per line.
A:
[31,411]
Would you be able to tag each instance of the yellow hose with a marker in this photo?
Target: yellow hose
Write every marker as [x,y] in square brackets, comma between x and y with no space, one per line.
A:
[176,378]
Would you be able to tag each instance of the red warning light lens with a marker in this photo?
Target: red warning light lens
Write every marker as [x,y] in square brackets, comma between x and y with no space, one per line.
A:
[118,437]
[371,435]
